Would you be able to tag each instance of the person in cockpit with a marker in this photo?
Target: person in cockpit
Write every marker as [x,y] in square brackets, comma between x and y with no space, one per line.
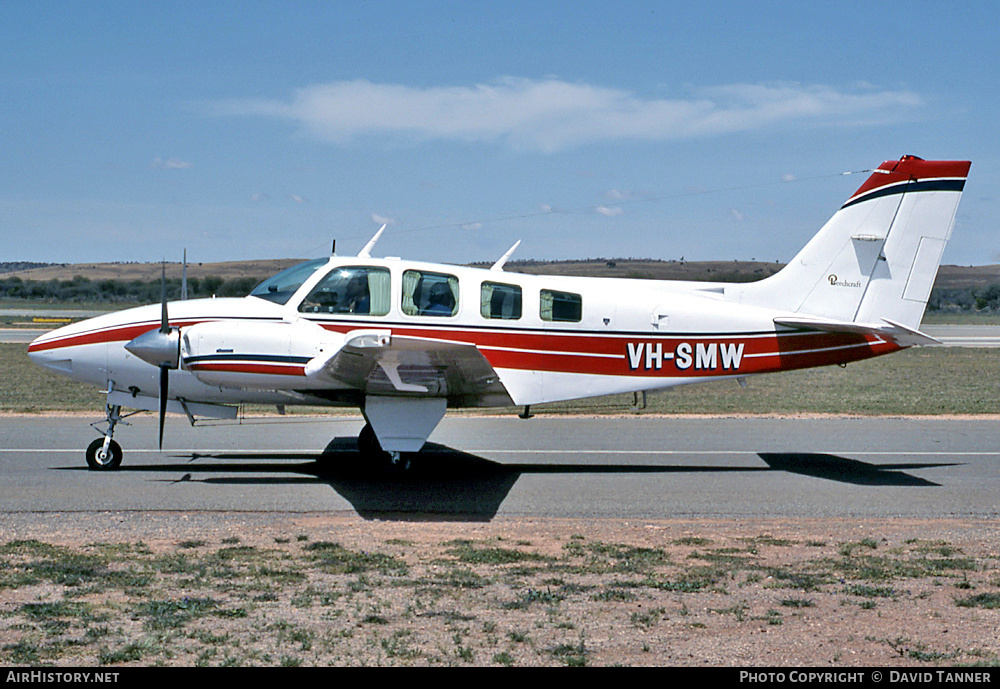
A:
[357,298]
[440,301]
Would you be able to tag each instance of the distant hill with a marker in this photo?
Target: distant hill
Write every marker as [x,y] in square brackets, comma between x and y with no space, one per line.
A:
[954,277]
[715,271]
[14,266]
[151,271]
[949,276]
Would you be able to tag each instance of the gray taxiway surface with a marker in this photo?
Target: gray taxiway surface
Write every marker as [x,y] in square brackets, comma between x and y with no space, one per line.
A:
[479,467]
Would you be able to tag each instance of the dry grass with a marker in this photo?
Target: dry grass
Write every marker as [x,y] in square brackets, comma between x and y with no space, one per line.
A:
[327,590]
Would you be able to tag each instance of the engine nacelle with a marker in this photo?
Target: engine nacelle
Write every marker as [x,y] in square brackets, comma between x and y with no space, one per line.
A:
[251,354]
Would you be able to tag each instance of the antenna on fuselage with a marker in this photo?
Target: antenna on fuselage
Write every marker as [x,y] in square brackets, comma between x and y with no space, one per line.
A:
[367,251]
[498,266]
[333,248]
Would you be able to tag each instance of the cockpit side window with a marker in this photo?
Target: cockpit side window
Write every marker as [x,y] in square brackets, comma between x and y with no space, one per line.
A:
[280,288]
[361,290]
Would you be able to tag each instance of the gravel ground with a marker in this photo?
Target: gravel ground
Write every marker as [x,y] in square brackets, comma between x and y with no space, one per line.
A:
[183,589]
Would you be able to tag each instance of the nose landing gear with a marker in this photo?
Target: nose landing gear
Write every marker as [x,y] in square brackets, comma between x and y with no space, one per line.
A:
[105,454]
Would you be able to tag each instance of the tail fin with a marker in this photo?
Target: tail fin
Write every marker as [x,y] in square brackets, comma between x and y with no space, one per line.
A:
[877,257]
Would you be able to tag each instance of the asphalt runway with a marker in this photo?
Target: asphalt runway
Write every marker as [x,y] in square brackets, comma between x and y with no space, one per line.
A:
[19,335]
[478,468]
[965,335]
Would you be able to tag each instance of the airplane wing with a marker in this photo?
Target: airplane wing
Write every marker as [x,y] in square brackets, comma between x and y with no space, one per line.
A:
[378,363]
[890,330]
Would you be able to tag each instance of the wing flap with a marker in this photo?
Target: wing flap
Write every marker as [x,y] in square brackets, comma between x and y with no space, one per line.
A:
[379,363]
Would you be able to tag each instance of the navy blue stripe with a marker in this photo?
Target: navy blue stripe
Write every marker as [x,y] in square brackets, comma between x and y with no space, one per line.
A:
[273,358]
[907,187]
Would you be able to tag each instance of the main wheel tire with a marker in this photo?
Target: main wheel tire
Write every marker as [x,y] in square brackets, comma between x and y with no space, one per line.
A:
[371,450]
[368,444]
[99,460]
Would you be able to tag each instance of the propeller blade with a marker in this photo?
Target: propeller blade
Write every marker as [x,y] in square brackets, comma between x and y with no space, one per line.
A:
[164,389]
[164,321]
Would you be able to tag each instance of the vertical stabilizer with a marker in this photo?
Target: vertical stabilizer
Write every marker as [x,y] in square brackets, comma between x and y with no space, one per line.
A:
[877,257]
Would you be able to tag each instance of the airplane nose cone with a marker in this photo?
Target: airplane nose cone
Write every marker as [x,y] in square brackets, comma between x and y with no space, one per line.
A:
[55,359]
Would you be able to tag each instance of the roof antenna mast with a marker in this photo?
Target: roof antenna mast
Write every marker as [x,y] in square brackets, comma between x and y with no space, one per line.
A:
[367,251]
[498,266]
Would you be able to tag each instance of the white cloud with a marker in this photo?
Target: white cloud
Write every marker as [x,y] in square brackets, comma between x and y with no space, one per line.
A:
[551,115]
[171,163]
[737,215]
[382,219]
[609,211]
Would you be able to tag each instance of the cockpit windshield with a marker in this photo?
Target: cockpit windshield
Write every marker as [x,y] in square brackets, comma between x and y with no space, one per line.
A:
[280,288]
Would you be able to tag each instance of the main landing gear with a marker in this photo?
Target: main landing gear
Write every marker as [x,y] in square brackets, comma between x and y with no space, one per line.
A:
[105,454]
[371,449]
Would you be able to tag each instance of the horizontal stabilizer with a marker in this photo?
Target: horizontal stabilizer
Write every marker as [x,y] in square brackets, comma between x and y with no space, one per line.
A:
[892,331]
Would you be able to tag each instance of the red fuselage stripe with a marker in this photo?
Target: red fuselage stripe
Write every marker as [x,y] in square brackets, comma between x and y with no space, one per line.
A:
[617,354]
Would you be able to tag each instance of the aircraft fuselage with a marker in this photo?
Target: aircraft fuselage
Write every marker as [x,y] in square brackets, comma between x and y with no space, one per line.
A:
[613,336]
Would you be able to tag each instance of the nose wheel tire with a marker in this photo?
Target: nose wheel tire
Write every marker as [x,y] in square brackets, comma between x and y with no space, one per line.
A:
[99,459]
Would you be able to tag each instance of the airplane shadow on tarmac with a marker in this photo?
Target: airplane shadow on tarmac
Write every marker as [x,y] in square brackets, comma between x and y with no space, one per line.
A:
[444,483]
[846,470]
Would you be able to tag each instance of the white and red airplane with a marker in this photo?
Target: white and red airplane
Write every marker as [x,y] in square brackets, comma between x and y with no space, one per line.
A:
[403,341]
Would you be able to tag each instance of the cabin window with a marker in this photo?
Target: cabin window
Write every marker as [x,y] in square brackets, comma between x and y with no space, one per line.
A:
[429,294]
[361,290]
[561,306]
[501,301]
[280,288]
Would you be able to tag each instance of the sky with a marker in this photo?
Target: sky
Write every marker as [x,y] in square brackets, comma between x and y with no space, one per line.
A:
[133,131]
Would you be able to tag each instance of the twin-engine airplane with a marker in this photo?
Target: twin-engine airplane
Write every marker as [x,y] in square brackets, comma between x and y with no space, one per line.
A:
[404,341]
